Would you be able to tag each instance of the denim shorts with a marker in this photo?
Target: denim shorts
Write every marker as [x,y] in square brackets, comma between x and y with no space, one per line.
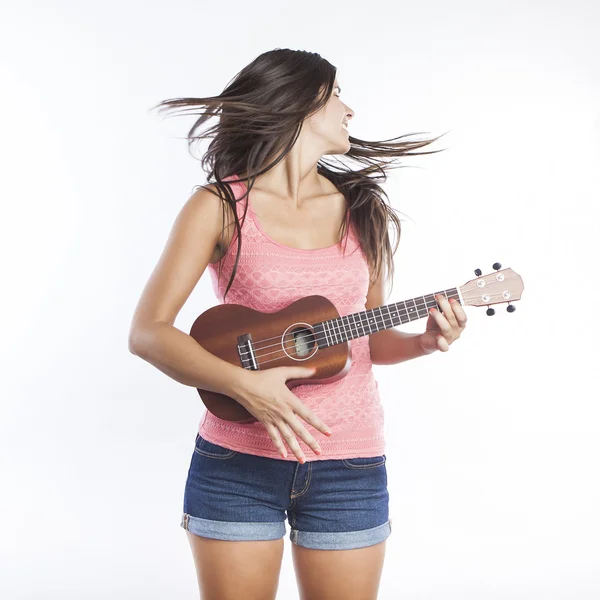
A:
[330,504]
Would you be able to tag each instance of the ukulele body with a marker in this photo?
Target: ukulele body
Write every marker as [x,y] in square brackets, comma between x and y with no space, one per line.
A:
[310,332]
[257,340]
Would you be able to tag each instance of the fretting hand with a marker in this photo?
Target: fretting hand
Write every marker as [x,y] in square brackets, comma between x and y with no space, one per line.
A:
[443,328]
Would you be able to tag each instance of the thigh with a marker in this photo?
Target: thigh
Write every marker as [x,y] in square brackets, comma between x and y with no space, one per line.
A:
[233,496]
[340,504]
[340,524]
[225,569]
[349,574]
[234,516]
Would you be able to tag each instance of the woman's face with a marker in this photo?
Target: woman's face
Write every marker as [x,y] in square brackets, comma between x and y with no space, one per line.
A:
[329,124]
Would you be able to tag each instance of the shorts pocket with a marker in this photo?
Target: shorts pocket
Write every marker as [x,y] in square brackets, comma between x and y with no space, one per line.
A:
[364,463]
[210,450]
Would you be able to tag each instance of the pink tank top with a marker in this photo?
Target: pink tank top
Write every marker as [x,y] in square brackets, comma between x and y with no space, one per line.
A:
[269,277]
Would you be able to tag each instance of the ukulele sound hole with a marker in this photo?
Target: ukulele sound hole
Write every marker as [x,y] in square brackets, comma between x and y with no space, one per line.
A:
[303,342]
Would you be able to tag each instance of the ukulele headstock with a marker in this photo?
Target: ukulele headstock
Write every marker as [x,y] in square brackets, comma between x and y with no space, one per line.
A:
[494,288]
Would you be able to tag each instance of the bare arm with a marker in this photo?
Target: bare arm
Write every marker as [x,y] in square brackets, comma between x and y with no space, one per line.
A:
[152,335]
[182,358]
[390,346]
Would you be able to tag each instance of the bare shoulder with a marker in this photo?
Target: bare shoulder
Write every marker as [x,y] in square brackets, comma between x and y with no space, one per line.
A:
[189,248]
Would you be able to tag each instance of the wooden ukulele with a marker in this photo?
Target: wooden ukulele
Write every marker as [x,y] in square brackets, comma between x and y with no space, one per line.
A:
[310,332]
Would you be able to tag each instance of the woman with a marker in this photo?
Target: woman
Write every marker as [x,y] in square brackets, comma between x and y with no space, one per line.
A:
[283,224]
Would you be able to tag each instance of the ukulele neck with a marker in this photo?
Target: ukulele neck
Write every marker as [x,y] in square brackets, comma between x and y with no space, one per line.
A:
[366,322]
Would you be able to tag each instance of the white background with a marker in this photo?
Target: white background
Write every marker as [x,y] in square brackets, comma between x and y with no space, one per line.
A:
[492,447]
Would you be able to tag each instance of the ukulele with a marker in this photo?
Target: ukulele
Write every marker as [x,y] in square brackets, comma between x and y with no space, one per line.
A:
[311,332]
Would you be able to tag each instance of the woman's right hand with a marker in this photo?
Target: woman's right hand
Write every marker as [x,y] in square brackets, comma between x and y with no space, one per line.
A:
[266,396]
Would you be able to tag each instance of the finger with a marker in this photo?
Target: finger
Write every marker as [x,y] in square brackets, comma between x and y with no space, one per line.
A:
[276,437]
[461,315]
[300,430]
[446,309]
[307,415]
[443,343]
[441,321]
[291,440]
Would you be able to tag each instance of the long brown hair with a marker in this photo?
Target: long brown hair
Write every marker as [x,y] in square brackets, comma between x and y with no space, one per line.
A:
[261,114]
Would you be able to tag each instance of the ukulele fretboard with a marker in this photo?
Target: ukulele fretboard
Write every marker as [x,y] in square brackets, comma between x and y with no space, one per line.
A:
[355,325]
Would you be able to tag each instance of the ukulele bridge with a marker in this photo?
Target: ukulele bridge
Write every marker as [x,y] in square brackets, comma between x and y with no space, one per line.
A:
[246,352]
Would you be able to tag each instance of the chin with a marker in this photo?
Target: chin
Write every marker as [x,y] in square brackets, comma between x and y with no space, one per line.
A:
[341,149]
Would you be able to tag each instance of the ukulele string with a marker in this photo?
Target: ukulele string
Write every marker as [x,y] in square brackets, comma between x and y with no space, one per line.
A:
[378,320]
[381,316]
[292,345]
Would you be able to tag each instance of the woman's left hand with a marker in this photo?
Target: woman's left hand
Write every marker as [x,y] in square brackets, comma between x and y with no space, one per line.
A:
[444,327]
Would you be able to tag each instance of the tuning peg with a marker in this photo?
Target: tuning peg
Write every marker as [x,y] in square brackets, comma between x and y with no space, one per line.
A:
[497,266]
[511,308]
[478,272]
[490,311]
